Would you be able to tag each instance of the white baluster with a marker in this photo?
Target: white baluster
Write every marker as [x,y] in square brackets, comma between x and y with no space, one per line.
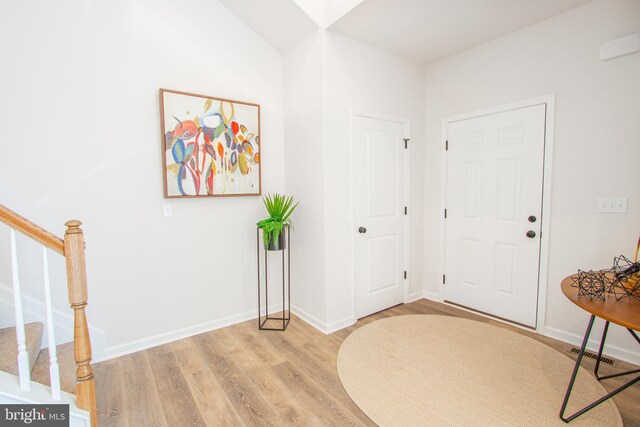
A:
[54,371]
[23,356]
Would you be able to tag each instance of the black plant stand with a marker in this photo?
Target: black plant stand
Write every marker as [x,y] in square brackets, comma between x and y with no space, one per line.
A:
[286,290]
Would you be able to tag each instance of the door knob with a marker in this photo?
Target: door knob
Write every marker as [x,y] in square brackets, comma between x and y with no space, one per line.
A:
[532,218]
[362,230]
[531,234]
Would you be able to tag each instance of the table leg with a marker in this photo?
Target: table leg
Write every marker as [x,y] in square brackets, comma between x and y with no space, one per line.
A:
[577,367]
[604,338]
[619,374]
[575,373]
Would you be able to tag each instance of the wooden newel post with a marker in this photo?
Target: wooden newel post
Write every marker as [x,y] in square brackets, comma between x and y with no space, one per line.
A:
[77,285]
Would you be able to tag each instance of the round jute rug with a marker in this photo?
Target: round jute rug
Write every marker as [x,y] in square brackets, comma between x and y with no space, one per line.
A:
[445,371]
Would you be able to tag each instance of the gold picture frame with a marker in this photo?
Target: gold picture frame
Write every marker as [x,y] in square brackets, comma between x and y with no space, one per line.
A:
[210,146]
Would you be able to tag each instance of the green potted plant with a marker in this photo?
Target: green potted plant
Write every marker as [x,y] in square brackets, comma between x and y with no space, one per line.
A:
[280,208]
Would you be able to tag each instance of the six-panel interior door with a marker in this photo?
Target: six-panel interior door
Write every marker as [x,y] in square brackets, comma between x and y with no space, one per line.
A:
[379,200]
[494,205]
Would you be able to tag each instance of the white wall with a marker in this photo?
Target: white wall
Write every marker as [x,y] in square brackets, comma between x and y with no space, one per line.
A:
[327,77]
[89,73]
[363,78]
[79,98]
[305,176]
[83,139]
[596,147]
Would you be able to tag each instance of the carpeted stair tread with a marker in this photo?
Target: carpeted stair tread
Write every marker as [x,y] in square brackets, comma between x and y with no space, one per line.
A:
[66,363]
[9,346]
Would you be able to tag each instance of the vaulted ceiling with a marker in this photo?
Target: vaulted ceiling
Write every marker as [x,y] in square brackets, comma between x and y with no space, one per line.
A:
[282,23]
[423,31]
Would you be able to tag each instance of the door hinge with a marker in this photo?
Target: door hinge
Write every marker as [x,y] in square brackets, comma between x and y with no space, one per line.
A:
[446,145]
[444,279]
[406,143]
[445,214]
[405,274]
[405,210]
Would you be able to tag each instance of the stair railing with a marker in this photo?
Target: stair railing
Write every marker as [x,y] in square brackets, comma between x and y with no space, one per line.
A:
[72,248]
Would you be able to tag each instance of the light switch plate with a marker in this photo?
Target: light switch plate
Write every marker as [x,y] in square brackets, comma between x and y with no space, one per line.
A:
[166,211]
[612,204]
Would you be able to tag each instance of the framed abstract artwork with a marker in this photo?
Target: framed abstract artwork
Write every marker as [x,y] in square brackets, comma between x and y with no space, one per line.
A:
[210,146]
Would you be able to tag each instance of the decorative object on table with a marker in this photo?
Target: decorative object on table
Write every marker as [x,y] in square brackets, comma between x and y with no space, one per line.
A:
[622,280]
[276,236]
[610,280]
[210,146]
[625,313]
[280,208]
[626,274]
[590,284]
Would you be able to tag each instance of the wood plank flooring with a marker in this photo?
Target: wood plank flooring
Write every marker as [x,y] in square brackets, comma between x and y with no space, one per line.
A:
[239,376]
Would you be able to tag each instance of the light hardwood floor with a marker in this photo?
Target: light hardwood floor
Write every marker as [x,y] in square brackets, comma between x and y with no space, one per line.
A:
[241,376]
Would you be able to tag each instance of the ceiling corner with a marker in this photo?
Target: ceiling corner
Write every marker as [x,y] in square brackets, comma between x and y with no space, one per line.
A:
[281,23]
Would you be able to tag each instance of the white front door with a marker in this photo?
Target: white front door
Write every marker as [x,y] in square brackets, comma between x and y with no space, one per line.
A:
[493,217]
[379,212]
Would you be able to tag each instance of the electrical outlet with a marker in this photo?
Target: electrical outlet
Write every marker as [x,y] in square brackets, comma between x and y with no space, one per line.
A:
[612,204]
[166,211]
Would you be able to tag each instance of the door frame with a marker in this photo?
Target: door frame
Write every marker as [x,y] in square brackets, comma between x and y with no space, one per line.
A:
[355,113]
[549,101]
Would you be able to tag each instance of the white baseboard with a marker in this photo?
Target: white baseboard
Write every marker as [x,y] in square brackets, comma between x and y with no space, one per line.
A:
[178,334]
[610,350]
[433,296]
[309,318]
[558,334]
[414,297]
[340,324]
[328,328]
[324,327]
[34,311]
